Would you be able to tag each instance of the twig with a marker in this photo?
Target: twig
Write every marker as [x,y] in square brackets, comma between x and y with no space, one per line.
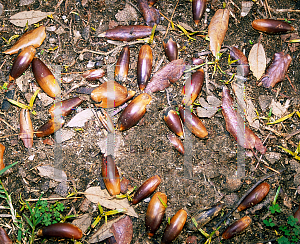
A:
[171,19]
[291,83]
[285,10]
[266,1]
[292,134]
[8,124]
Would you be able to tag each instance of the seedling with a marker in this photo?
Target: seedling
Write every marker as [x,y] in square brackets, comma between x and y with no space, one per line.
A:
[207,236]
[294,154]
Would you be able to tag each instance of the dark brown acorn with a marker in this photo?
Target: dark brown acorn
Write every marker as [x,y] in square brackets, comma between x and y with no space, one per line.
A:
[22,62]
[26,129]
[151,2]
[237,227]
[62,230]
[144,66]
[122,65]
[176,142]
[93,74]
[50,127]
[198,8]
[155,212]
[255,196]
[297,215]
[150,15]
[111,175]
[173,121]
[171,49]
[192,89]
[2,149]
[175,227]
[45,78]
[146,189]
[242,60]
[272,26]
[4,238]
[64,107]
[193,123]
[116,94]
[134,112]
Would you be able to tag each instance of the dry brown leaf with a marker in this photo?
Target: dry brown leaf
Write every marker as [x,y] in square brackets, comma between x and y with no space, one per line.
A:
[96,195]
[31,17]
[217,30]
[257,60]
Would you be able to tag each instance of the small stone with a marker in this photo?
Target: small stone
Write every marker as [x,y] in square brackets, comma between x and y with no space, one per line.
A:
[295,165]
[191,240]
[123,230]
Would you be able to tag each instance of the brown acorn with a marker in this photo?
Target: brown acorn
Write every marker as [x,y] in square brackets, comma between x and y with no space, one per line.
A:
[111,175]
[2,149]
[4,238]
[45,78]
[144,66]
[176,142]
[175,227]
[122,65]
[146,189]
[173,121]
[171,49]
[198,8]
[297,215]
[155,212]
[22,62]
[242,60]
[93,74]
[26,129]
[193,123]
[255,196]
[116,94]
[192,89]
[64,107]
[33,38]
[151,2]
[272,26]
[62,230]
[134,112]
[237,227]
[50,127]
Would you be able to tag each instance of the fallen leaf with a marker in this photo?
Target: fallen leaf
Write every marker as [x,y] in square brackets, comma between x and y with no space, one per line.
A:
[79,119]
[278,109]
[83,222]
[52,173]
[246,7]
[25,2]
[257,60]
[126,15]
[21,19]
[208,109]
[217,30]
[96,195]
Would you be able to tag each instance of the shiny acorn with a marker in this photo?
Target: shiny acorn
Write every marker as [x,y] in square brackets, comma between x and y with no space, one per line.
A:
[64,107]
[237,227]
[176,142]
[26,129]
[171,49]
[151,2]
[272,26]
[122,65]
[297,215]
[144,66]
[93,74]
[50,127]
[22,62]
[173,121]
[146,189]
[242,60]
[2,149]
[175,227]
[193,123]
[155,212]
[45,78]
[4,238]
[62,230]
[198,8]
[192,89]
[116,94]
[255,196]
[111,175]
[134,112]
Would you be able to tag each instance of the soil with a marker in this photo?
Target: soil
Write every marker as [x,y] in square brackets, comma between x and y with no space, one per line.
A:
[144,150]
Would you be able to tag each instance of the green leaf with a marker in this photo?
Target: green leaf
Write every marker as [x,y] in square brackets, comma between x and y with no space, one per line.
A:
[162,202]
[288,151]
[283,240]
[292,221]
[28,221]
[8,167]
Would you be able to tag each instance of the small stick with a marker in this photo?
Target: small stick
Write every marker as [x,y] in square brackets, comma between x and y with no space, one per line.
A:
[8,124]
[291,83]
[171,19]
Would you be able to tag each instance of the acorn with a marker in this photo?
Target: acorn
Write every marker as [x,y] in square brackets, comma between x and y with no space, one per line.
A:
[134,112]
[171,49]
[146,189]
[22,62]
[297,215]
[144,66]
[237,227]
[116,94]
[4,238]
[155,213]
[176,142]
[64,107]
[2,149]
[242,60]
[272,26]
[106,121]
[193,123]
[192,89]
[26,129]
[198,8]
[62,230]
[122,65]
[175,227]
[173,121]
[151,2]
[50,127]
[255,196]
[111,175]
[45,78]
[93,74]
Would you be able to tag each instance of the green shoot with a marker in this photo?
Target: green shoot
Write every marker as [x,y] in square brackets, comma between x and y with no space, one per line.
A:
[21,105]
[276,196]
[186,33]
[162,202]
